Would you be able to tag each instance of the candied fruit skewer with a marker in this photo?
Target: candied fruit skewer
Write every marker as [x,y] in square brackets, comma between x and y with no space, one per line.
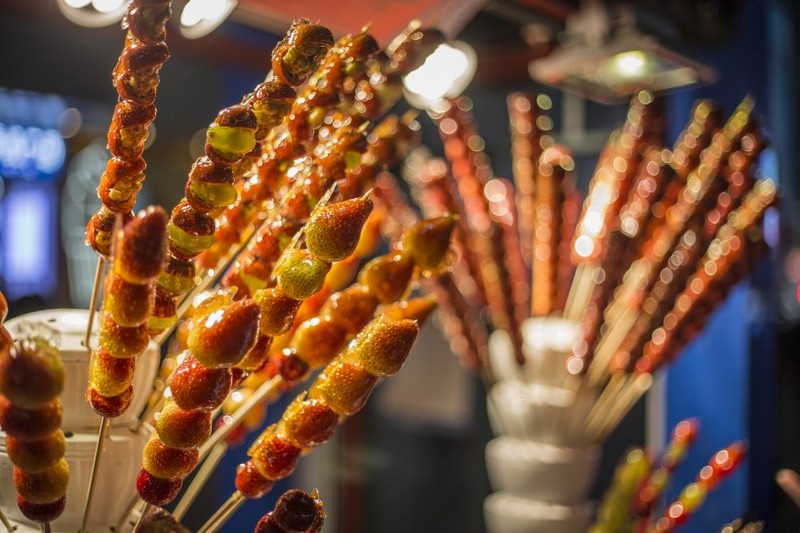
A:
[456,290]
[31,379]
[614,511]
[137,259]
[136,78]
[209,188]
[295,511]
[223,332]
[338,392]
[653,486]
[529,126]
[721,465]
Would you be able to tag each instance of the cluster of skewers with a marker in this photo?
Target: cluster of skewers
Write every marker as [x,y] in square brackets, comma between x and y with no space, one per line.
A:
[631,502]
[252,266]
[661,237]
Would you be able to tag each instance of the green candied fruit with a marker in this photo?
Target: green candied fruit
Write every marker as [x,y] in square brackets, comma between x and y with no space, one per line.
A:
[174,284]
[217,194]
[161,323]
[352,159]
[193,244]
[231,143]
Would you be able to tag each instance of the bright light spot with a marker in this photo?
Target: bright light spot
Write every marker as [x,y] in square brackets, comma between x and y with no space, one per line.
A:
[592,222]
[446,72]
[107,6]
[197,11]
[630,63]
[77,4]
[584,246]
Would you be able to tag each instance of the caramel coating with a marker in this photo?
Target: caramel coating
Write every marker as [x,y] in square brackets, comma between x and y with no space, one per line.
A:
[274,456]
[388,276]
[155,490]
[352,308]
[31,374]
[195,386]
[30,424]
[110,376]
[307,422]
[382,347]
[141,251]
[110,406]
[333,230]
[297,54]
[344,387]
[128,304]
[250,482]
[277,310]
[318,340]
[301,274]
[165,462]
[296,510]
[45,486]
[428,241]
[36,455]
[41,512]
[179,428]
[258,354]
[123,342]
[222,339]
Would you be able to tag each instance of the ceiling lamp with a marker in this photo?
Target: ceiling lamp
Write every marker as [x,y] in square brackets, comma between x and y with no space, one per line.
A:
[445,74]
[93,13]
[609,66]
[198,18]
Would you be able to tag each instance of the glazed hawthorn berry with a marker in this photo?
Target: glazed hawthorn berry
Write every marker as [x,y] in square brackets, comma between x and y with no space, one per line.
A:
[317,341]
[195,386]
[120,341]
[277,310]
[344,387]
[258,354]
[222,338]
[307,422]
[388,276]
[128,304]
[352,308]
[45,486]
[301,274]
[110,376]
[250,482]
[36,455]
[140,254]
[297,510]
[30,424]
[31,373]
[333,230]
[428,241]
[165,462]
[273,455]
[155,490]
[110,406]
[41,512]
[418,309]
[382,347]
[292,367]
[179,428]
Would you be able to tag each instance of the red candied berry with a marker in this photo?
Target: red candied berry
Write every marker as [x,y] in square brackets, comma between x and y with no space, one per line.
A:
[238,375]
[30,424]
[250,482]
[292,368]
[224,337]
[109,375]
[195,386]
[308,422]
[179,428]
[168,463]
[41,512]
[273,455]
[268,524]
[110,406]
[155,490]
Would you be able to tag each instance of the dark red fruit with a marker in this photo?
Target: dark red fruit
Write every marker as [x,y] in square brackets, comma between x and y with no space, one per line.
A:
[250,482]
[41,512]
[156,490]
[297,510]
[308,422]
[30,424]
[273,455]
[195,386]
[110,406]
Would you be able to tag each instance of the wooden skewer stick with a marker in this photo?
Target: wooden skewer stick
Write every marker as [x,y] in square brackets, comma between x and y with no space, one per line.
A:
[135,501]
[9,526]
[628,398]
[98,279]
[105,424]
[608,345]
[139,522]
[606,397]
[223,514]
[45,527]
[579,292]
[198,482]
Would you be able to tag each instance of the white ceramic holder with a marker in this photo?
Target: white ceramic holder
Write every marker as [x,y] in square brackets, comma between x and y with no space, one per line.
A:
[122,455]
[541,482]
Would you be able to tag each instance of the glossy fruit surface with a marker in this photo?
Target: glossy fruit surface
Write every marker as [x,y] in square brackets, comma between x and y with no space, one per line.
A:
[45,486]
[155,490]
[36,455]
[165,462]
[41,512]
[333,230]
[222,338]
[301,274]
[31,373]
[30,424]
[195,386]
[179,428]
